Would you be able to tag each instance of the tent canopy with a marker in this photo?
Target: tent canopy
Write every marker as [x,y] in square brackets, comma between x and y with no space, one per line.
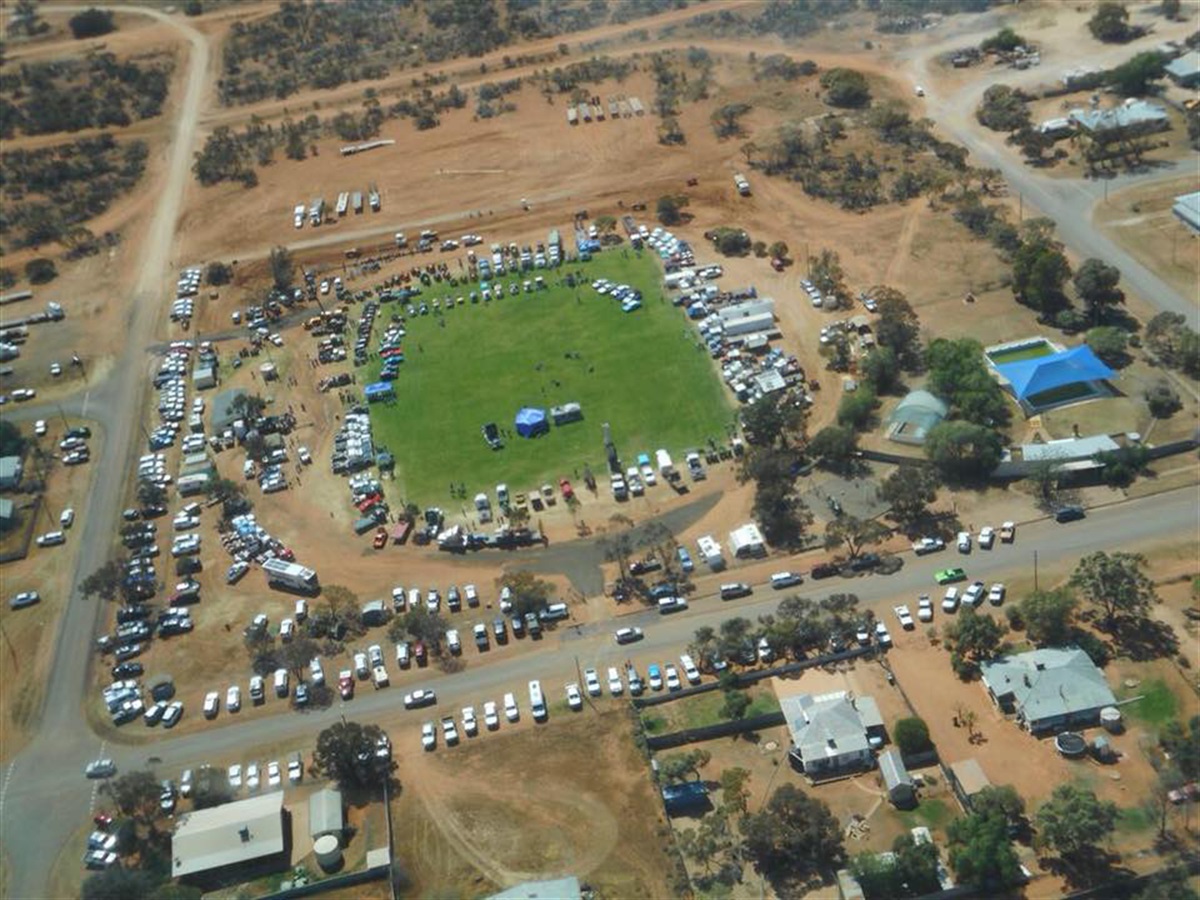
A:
[1045,373]
[531,422]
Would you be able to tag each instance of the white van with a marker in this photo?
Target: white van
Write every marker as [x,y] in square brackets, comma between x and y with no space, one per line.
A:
[452,641]
[537,704]
[402,655]
[554,612]
[511,712]
[281,682]
[414,598]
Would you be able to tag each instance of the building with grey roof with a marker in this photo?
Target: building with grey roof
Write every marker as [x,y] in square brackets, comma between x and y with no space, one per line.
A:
[1049,689]
[8,514]
[1073,454]
[1131,117]
[325,814]
[232,842]
[914,417]
[832,733]
[10,472]
[1185,70]
[1187,209]
[553,889]
[900,787]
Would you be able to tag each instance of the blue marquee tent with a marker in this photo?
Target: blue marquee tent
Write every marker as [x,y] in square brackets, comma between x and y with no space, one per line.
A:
[1030,377]
[380,390]
[531,422]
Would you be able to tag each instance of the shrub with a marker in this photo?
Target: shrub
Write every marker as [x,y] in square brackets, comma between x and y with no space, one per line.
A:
[731,241]
[40,270]
[91,23]
[217,273]
[912,736]
[1163,400]
[846,88]
[7,277]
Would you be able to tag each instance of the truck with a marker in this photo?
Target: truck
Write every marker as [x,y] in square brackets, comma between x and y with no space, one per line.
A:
[742,185]
[290,576]
[356,201]
[373,198]
[316,210]
[665,467]
[298,215]
[343,202]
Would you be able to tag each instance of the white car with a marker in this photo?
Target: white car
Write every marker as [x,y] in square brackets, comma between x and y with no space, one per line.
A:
[627,635]
[235,776]
[928,545]
[305,456]
[274,776]
[615,686]
[690,672]
[100,768]
[212,704]
[780,580]
[673,682]
[470,723]
[882,636]
[252,776]
[449,731]
[950,601]
[317,673]
[996,594]
[295,771]
[185,783]
[490,717]
[574,698]
[428,736]
[987,537]
[51,539]
[975,593]
[67,519]
[39,427]
[233,698]
[511,710]
[924,608]
[905,617]
[964,542]
[592,681]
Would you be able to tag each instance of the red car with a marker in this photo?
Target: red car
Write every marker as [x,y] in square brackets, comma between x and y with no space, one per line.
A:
[419,653]
[567,491]
[102,820]
[381,538]
[346,685]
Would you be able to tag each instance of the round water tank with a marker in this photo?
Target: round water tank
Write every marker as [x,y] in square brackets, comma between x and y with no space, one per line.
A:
[1110,718]
[1070,744]
[328,851]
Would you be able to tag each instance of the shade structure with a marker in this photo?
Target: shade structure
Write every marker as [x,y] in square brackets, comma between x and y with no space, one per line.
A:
[531,422]
[1030,377]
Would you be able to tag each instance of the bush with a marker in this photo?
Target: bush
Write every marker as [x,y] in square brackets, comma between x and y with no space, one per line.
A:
[1163,400]
[912,736]
[7,277]
[846,88]
[40,270]
[731,241]
[1095,648]
[91,23]
[217,273]
[1005,40]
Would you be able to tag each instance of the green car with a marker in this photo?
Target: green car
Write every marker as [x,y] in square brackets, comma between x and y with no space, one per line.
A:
[949,576]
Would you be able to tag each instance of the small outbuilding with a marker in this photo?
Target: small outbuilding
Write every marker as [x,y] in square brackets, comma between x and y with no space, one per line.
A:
[747,541]
[967,780]
[686,797]
[1185,70]
[325,814]
[531,422]
[204,377]
[915,416]
[380,390]
[11,471]
[567,413]
[901,789]
[8,514]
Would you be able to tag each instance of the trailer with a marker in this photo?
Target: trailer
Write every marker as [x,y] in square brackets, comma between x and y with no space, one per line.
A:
[585,112]
[743,186]
[614,111]
[15,297]
[356,201]
[373,198]
[343,201]
[290,576]
[572,116]
[316,210]
[636,105]
[626,111]
[369,145]
[710,552]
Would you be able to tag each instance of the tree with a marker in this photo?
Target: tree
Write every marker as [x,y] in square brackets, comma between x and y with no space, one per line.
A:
[981,852]
[854,534]
[217,273]
[1039,272]
[1170,9]
[1001,800]
[193,8]
[731,241]
[1110,344]
[1182,743]
[669,208]
[957,372]
[419,624]
[1002,108]
[974,635]
[40,270]
[963,451]
[1073,821]
[845,88]
[1173,884]
[135,794]
[247,406]
[908,492]
[1121,467]
[911,870]
[529,593]
[778,250]
[1110,24]
[735,795]
[1005,40]
[283,268]
[12,442]
[912,736]
[1162,400]
[707,841]
[1134,77]
[7,278]
[827,275]
[835,447]
[735,705]
[792,838]
[725,119]
[1115,583]
[105,582]
[675,766]
[1047,616]
[881,370]
[898,328]
[25,18]
[210,788]
[782,515]
[857,408]
[768,420]
[151,494]
[1096,284]
[346,753]
[119,883]
[91,23]
[297,654]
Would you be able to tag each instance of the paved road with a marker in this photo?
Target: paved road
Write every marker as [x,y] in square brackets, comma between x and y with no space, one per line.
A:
[35,825]
[558,660]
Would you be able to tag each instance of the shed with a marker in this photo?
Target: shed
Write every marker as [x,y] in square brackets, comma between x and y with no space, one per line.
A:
[8,514]
[681,798]
[747,541]
[567,413]
[1187,209]
[247,837]
[223,413]
[967,779]
[531,422]
[913,419]
[325,814]
[557,889]
[10,472]
[899,784]
[1185,71]
[204,377]
[769,382]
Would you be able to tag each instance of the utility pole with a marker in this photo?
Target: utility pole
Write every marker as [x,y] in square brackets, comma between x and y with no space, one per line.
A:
[1035,570]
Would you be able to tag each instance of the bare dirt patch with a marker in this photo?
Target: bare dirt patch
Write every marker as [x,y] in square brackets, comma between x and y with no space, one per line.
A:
[588,808]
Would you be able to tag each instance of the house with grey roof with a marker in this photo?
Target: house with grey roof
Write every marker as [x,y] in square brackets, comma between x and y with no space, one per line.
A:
[1185,70]
[1048,690]
[1187,209]
[232,842]
[567,888]
[900,787]
[325,814]
[1131,117]
[832,734]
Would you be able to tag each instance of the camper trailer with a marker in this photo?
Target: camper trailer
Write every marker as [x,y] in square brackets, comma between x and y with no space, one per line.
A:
[283,575]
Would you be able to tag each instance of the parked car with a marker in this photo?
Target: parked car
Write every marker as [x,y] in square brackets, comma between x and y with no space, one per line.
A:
[654,677]
[100,768]
[592,682]
[673,682]
[905,618]
[1069,513]
[928,545]
[781,580]
[574,698]
[975,593]
[996,594]
[964,542]
[628,635]
[950,600]
[615,686]
[428,736]
[987,537]
[491,719]
[419,697]
[924,608]
[949,576]
[25,598]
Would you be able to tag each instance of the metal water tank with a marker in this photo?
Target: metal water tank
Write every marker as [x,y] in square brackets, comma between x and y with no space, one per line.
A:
[328,851]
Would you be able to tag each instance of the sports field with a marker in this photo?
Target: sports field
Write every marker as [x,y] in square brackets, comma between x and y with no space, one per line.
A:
[645,373]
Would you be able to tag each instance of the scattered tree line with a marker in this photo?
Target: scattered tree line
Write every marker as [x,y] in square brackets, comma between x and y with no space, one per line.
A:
[49,192]
[70,94]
